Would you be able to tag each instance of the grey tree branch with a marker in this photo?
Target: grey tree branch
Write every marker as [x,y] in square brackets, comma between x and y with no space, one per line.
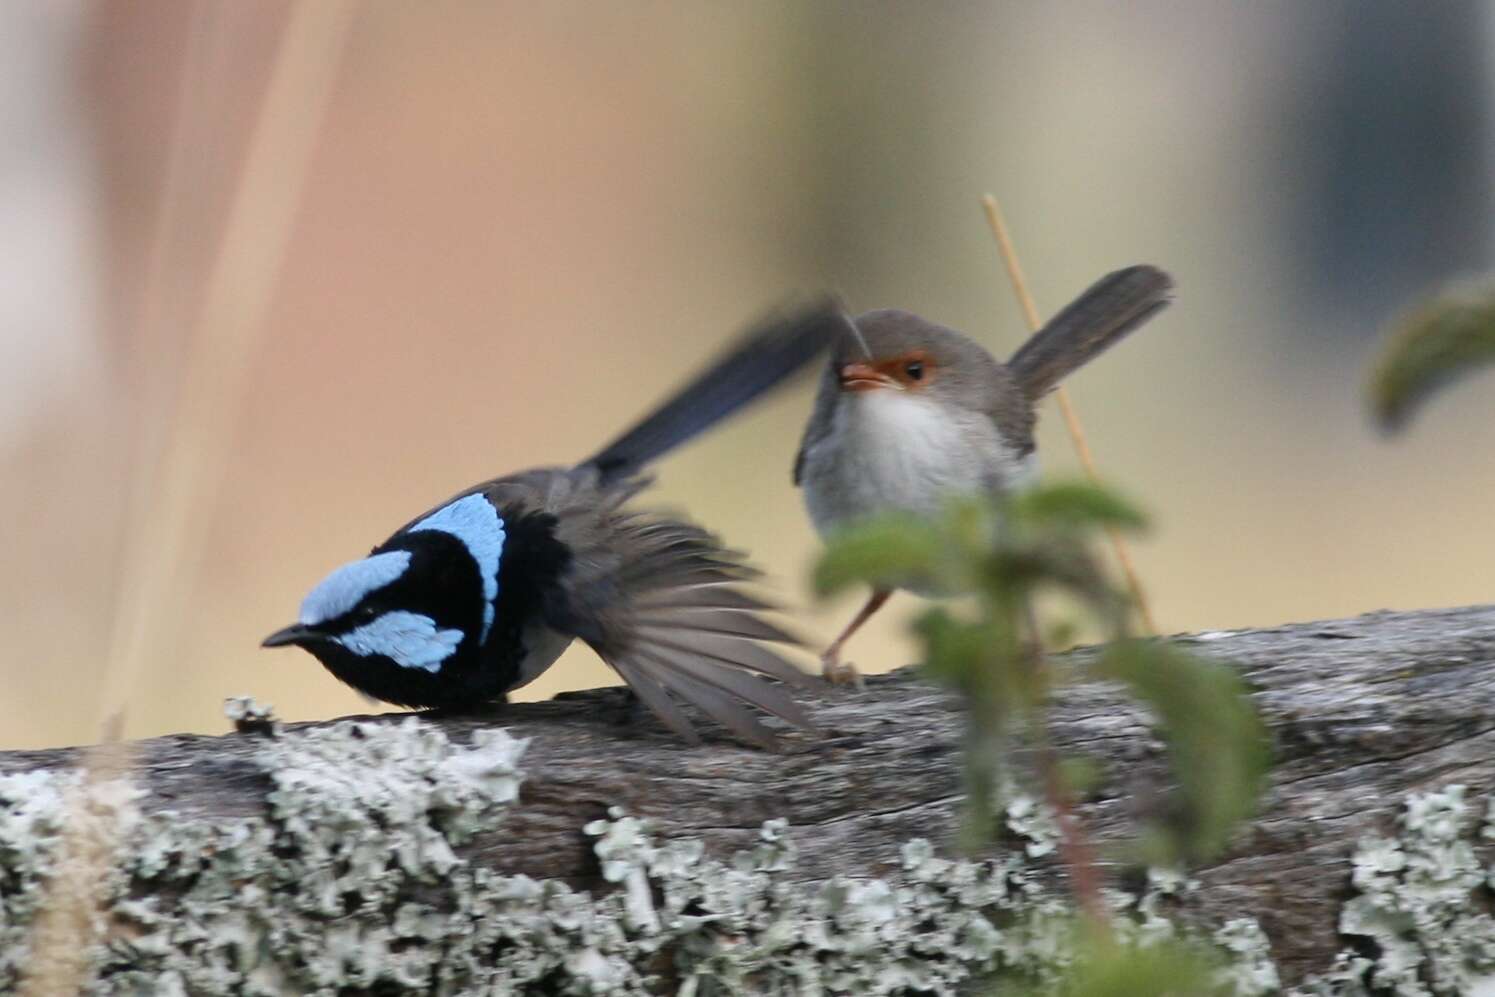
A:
[1362,711]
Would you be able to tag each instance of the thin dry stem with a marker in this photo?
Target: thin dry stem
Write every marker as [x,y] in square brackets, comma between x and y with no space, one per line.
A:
[159,328]
[1075,849]
[169,520]
[214,373]
[70,920]
[1066,407]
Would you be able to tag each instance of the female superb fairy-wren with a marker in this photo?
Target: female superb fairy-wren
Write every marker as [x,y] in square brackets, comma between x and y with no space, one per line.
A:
[910,413]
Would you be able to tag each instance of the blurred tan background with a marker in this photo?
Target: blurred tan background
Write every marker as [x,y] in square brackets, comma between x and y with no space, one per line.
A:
[521,224]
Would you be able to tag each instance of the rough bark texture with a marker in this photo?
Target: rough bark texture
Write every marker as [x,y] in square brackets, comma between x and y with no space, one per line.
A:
[1362,712]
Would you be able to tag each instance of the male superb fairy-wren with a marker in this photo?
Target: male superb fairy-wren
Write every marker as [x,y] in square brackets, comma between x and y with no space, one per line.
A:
[479,595]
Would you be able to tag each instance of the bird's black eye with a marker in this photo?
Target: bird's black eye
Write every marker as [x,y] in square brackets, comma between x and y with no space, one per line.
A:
[366,612]
[914,369]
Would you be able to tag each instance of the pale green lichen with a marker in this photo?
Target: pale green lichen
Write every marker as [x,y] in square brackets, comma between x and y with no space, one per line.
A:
[1419,905]
[1033,821]
[320,895]
[1248,968]
[355,879]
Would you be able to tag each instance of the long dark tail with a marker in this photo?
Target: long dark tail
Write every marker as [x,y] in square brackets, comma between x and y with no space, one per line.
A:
[1112,307]
[765,355]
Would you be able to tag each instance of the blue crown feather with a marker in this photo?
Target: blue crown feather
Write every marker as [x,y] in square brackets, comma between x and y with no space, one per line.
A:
[346,587]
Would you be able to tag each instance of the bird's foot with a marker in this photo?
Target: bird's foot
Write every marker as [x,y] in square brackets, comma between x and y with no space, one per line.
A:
[838,672]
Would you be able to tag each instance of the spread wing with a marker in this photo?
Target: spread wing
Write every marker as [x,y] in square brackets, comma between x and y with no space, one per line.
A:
[659,600]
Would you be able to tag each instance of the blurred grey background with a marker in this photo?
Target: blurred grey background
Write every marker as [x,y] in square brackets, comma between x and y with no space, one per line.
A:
[522,223]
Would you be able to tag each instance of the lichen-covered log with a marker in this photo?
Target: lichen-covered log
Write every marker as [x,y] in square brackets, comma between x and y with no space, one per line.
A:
[386,856]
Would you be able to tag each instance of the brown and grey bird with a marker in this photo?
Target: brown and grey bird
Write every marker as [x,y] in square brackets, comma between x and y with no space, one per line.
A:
[479,595]
[910,413]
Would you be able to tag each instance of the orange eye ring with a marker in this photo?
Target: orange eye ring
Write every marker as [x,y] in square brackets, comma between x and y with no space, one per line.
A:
[913,369]
[906,371]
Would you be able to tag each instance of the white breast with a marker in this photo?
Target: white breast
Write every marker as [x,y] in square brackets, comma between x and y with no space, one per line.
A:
[891,450]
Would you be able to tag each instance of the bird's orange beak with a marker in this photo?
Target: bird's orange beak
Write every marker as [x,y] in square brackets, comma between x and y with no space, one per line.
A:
[864,377]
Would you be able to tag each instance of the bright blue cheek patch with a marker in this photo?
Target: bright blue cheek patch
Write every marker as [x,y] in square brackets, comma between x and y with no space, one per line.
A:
[410,640]
[475,522]
[345,588]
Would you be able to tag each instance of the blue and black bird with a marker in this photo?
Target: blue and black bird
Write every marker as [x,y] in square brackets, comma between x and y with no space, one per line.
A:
[481,594]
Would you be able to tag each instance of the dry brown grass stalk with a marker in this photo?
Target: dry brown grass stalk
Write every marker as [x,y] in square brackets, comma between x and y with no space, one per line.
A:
[172,513]
[1066,407]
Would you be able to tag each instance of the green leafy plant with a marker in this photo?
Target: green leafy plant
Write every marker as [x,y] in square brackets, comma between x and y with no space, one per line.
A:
[1218,745]
[1169,968]
[1006,552]
[1448,338]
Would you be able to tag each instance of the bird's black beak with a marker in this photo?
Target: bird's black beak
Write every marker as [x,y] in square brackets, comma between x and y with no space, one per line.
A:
[296,633]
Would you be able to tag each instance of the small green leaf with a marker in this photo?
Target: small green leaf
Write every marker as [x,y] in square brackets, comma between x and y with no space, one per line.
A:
[1018,571]
[1077,504]
[968,655]
[952,649]
[890,549]
[1218,744]
[1079,774]
[1446,339]
[1061,634]
[1167,968]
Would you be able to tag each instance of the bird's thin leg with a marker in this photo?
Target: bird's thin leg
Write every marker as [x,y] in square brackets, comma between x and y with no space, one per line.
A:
[830,662]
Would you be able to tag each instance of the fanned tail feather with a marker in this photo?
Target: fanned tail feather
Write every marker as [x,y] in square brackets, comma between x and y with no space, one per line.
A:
[655,698]
[680,631]
[657,598]
[1095,321]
